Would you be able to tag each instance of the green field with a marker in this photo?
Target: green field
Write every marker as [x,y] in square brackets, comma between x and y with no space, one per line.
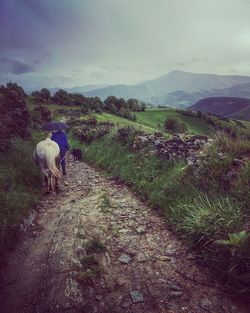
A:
[155,118]
[120,122]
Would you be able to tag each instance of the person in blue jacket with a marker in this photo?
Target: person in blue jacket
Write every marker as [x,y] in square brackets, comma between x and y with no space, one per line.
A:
[61,139]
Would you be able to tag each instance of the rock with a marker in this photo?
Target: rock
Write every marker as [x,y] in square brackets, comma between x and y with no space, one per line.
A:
[125,258]
[126,304]
[98,297]
[190,163]
[124,231]
[136,296]
[170,250]
[141,230]
[175,287]
[206,304]
[173,308]
[141,258]
[175,294]
[163,258]
[237,162]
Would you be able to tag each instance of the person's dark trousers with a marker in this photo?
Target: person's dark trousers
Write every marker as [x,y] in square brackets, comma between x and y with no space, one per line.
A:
[63,164]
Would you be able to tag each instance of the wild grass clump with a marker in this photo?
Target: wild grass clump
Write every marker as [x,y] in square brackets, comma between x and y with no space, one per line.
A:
[226,169]
[91,269]
[233,147]
[20,184]
[202,217]
[95,246]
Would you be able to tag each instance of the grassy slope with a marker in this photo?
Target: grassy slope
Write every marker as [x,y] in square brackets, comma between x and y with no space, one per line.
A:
[161,181]
[150,120]
[120,121]
[156,117]
[199,213]
[20,184]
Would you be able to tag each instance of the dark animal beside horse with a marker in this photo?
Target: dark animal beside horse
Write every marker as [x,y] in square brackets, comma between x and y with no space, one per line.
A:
[47,157]
[77,154]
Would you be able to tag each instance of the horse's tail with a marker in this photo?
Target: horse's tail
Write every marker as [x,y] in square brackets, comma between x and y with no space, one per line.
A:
[51,164]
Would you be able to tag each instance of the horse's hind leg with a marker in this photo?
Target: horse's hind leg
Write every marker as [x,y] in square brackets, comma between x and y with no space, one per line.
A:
[46,180]
[57,189]
[50,183]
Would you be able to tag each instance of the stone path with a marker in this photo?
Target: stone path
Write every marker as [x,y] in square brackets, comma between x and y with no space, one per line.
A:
[97,248]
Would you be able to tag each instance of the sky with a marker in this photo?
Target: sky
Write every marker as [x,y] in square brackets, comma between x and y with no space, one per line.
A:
[67,43]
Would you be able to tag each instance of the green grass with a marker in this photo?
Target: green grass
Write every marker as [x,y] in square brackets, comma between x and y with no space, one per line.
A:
[20,184]
[204,217]
[155,118]
[120,121]
[163,184]
[200,215]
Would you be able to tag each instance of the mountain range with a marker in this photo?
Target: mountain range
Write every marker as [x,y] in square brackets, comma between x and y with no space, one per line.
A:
[177,89]
[230,107]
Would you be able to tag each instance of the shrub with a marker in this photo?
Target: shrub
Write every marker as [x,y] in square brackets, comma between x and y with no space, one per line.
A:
[91,120]
[89,134]
[231,261]
[14,115]
[40,115]
[174,125]
[126,135]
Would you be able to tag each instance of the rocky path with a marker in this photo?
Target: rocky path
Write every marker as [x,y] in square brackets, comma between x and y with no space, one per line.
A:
[97,248]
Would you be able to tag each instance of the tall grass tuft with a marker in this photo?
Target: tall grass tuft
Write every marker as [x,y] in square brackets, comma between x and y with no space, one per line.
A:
[203,217]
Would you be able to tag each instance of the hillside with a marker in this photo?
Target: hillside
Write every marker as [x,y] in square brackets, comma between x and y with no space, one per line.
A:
[156,89]
[238,108]
[183,99]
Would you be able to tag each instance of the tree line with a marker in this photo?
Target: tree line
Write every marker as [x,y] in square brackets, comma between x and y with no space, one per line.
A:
[112,104]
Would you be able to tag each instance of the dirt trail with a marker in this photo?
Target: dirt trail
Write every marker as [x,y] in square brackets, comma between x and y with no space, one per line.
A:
[143,267]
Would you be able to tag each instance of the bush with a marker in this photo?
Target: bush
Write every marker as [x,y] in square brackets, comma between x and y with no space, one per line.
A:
[126,135]
[89,134]
[40,115]
[231,261]
[14,115]
[91,120]
[174,125]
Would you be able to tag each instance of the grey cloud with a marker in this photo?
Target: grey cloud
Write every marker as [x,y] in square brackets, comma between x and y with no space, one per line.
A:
[182,63]
[120,41]
[16,67]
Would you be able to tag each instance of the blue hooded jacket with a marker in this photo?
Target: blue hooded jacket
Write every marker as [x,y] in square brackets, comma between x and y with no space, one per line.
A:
[61,139]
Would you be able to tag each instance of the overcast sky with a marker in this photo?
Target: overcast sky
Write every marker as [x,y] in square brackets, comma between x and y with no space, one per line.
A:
[66,43]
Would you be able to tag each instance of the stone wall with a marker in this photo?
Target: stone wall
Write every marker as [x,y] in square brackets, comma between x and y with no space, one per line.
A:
[178,147]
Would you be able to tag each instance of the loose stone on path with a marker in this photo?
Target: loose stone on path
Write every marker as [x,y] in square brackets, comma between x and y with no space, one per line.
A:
[125,258]
[136,296]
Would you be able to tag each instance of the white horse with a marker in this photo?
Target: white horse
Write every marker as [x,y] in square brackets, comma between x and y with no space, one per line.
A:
[47,157]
